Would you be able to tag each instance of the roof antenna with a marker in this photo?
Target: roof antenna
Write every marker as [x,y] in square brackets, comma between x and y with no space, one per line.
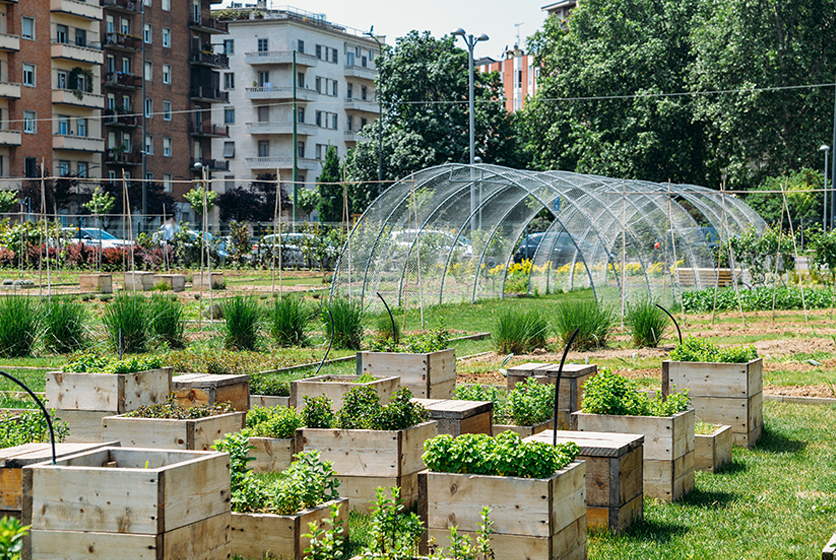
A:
[517,25]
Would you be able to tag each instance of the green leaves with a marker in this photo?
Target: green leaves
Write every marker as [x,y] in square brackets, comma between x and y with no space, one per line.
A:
[89,362]
[12,532]
[530,403]
[695,349]
[171,411]
[362,410]
[30,427]
[610,393]
[276,422]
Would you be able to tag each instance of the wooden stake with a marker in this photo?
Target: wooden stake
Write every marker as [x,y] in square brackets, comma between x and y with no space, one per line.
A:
[795,252]
[731,256]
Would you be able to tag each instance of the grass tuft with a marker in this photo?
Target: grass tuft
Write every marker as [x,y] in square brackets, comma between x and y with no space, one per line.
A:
[594,321]
[242,316]
[168,320]
[126,320]
[64,326]
[348,323]
[647,323]
[288,318]
[519,331]
[19,324]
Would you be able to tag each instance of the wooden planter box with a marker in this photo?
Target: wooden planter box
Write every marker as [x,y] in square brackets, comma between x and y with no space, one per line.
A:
[140,281]
[96,282]
[614,496]
[263,535]
[175,282]
[428,376]
[111,392]
[85,425]
[524,431]
[572,381]
[336,386]
[727,394]
[271,454]
[534,518]
[668,448]
[129,503]
[208,388]
[160,433]
[829,550]
[712,451]
[366,459]
[460,417]
[206,280]
[267,401]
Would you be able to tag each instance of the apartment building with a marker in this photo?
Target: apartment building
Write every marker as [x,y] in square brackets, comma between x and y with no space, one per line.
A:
[518,74]
[333,85]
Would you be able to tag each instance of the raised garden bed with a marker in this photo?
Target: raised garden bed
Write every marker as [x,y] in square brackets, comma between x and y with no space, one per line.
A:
[206,280]
[712,451]
[174,282]
[209,388]
[268,401]
[130,503]
[460,417]
[428,376]
[829,550]
[572,381]
[107,392]
[140,281]
[334,387]
[524,431]
[102,283]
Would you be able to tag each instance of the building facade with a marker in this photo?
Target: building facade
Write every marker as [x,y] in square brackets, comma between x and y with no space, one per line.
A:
[518,75]
[332,89]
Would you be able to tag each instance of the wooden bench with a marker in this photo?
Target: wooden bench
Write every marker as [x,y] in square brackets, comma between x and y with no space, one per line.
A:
[706,277]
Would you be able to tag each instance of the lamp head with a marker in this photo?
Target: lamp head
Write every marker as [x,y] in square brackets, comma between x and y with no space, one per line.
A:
[482,37]
[824,148]
[197,166]
[459,32]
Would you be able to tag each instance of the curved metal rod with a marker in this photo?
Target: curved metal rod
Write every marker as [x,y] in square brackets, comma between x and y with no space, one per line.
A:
[330,342]
[42,407]
[391,318]
[678,331]
[557,382]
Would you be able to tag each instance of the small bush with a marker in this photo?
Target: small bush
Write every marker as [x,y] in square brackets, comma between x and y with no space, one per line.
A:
[317,412]
[64,325]
[362,410]
[276,422]
[168,320]
[19,323]
[703,350]
[268,386]
[348,323]
[519,332]
[610,393]
[647,323]
[594,321]
[422,343]
[126,320]
[242,316]
[288,318]
[530,403]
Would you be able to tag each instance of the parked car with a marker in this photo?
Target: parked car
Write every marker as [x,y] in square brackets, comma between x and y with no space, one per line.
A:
[95,237]
[292,246]
[193,240]
[565,246]
[435,241]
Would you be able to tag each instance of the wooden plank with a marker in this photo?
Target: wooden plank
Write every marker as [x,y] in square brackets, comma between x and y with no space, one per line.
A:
[361,490]
[568,496]
[412,446]
[115,392]
[630,513]
[193,490]
[205,388]
[335,388]
[430,375]
[266,401]
[631,475]
[598,480]
[85,425]
[85,545]
[708,379]
[159,433]
[594,444]
[480,424]
[271,454]
[726,411]
[524,431]
[829,551]
[207,539]
[660,433]
[713,450]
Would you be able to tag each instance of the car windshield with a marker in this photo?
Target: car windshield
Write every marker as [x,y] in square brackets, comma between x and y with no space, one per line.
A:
[94,233]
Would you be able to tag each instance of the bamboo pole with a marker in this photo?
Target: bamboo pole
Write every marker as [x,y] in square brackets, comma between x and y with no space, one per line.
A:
[795,253]
[731,255]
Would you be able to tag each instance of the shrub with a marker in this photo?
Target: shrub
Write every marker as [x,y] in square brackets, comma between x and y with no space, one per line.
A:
[19,323]
[594,321]
[168,320]
[268,386]
[276,422]
[362,410]
[30,427]
[503,455]
[647,323]
[492,393]
[610,393]
[348,323]
[423,343]
[288,319]
[317,412]
[519,332]
[242,315]
[530,403]
[703,350]
[64,325]
[93,363]
[126,320]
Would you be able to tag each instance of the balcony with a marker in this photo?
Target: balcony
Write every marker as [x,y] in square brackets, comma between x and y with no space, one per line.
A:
[281,162]
[279,93]
[76,8]
[125,6]
[350,135]
[77,98]
[123,121]
[120,80]
[284,127]
[209,129]
[354,71]
[9,90]
[9,137]
[70,51]
[280,57]
[209,94]
[9,42]
[122,42]
[112,157]
[77,143]
[208,24]
[361,105]
[211,60]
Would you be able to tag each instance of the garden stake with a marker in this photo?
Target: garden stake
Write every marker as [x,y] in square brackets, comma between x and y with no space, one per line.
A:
[557,383]
[41,406]
[392,319]
[330,342]
[675,324]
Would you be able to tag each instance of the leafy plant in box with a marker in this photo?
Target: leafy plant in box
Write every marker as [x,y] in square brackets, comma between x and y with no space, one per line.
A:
[171,411]
[424,343]
[492,393]
[288,319]
[317,412]
[276,422]
[695,349]
[519,332]
[64,325]
[530,403]
[400,413]
[395,533]
[594,321]
[268,386]
[326,544]
[647,323]
[362,410]
[90,362]
[610,393]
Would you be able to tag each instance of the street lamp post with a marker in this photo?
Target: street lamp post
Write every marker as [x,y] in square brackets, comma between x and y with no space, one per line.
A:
[379,116]
[470,41]
[826,149]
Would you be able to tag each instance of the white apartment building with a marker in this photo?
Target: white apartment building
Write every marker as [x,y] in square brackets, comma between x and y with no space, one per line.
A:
[334,92]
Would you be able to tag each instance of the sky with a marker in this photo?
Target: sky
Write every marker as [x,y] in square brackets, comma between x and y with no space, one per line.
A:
[496,18]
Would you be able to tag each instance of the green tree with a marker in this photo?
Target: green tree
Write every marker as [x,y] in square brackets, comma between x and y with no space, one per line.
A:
[330,203]
[195,198]
[7,200]
[307,200]
[805,205]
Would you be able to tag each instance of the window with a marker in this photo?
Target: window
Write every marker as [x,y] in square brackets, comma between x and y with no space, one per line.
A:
[334,87]
[364,62]
[149,71]
[110,24]
[300,114]
[166,73]
[82,168]
[63,168]
[229,80]
[111,174]
[63,125]
[111,64]
[349,90]
[263,114]
[30,123]
[146,33]
[321,150]
[166,37]
[229,115]
[349,59]
[149,176]
[166,4]
[27,28]
[62,79]
[126,103]
[29,75]
[147,3]
[350,122]
[363,92]
[149,145]
[363,122]
[81,37]
[111,141]
[319,52]
[300,149]
[81,82]
[300,46]
[300,79]
[81,128]
[229,149]
[334,56]
[263,78]
[262,45]
[149,108]
[61,33]
[319,118]
[333,121]
[167,182]
[167,147]
[126,141]
[263,148]
[30,167]
[126,65]
[166,110]
[111,102]
[318,84]
[125,26]
[229,46]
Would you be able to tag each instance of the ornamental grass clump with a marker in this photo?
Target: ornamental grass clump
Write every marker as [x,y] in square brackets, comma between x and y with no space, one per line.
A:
[64,326]
[19,324]
[168,320]
[126,320]
[504,455]
[695,349]
[610,393]
[348,323]
[519,332]
[594,321]
[288,320]
[647,323]
[242,317]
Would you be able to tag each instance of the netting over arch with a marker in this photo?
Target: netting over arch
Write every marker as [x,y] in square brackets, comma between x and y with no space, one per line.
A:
[452,233]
